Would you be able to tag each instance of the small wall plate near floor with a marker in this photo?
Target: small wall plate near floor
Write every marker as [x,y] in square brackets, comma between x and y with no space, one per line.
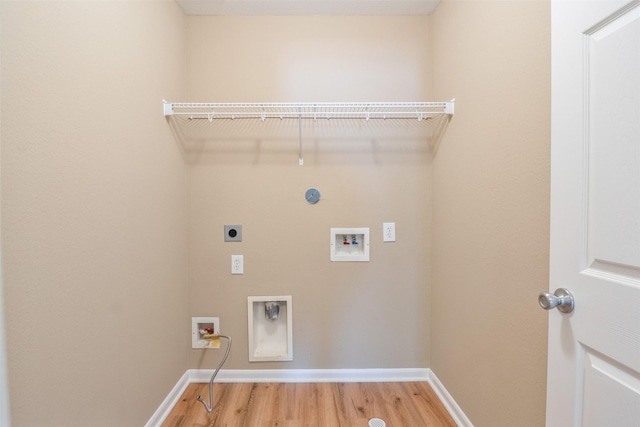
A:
[200,323]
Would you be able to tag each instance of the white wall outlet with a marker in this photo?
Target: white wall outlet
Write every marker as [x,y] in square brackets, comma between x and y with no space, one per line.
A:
[389,231]
[237,264]
[201,326]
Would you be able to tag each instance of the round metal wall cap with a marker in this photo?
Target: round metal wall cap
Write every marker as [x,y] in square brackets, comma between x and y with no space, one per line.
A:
[376,422]
[312,195]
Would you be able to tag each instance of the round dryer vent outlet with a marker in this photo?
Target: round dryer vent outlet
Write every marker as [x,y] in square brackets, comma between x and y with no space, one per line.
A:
[376,422]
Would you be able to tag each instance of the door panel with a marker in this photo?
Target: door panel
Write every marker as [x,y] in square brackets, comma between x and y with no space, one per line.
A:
[594,351]
[613,116]
[610,392]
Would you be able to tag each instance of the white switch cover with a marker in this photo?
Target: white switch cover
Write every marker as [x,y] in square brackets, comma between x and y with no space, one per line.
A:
[237,264]
[389,231]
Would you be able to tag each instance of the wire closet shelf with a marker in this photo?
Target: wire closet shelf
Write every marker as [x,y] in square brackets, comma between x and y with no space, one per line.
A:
[434,114]
[316,111]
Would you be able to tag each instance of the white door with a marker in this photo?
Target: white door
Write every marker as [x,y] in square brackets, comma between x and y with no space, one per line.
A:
[594,351]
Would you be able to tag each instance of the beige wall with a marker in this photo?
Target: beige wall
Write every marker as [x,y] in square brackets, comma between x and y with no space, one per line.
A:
[345,315]
[4,386]
[491,208]
[97,208]
[93,210]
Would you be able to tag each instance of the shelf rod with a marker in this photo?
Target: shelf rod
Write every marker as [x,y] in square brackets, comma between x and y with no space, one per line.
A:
[300,159]
[220,116]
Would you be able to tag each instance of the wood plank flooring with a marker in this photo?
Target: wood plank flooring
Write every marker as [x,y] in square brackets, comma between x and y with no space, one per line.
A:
[412,404]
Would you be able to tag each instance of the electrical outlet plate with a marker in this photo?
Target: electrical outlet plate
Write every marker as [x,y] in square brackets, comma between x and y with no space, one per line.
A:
[198,323]
[237,264]
[389,232]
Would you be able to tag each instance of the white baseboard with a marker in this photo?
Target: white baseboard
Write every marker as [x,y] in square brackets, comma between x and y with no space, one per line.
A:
[447,400]
[169,402]
[308,375]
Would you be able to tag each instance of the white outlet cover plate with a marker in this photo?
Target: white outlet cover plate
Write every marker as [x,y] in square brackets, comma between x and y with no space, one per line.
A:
[237,264]
[389,232]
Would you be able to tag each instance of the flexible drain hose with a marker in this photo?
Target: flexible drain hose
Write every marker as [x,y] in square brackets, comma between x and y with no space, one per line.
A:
[209,407]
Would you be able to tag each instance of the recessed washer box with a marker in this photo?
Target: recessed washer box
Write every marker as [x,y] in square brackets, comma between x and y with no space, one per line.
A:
[349,244]
[200,323]
[270,332]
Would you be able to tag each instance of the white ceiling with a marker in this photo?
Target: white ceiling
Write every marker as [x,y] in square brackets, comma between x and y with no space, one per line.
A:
[308,7]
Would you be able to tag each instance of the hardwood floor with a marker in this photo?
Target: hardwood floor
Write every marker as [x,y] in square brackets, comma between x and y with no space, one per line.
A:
[310,404]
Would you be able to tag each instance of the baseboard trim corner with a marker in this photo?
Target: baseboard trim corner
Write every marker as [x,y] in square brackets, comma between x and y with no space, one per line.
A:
[169,402]
[447,400]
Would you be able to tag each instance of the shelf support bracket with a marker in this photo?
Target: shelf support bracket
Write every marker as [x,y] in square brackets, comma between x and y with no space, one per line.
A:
[300,159]
[448,107]
[167,108]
